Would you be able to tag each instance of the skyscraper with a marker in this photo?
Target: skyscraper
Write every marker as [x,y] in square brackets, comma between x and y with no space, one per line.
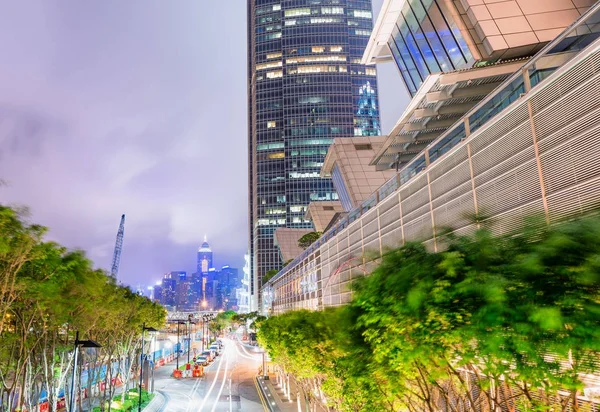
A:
[306,86]
[205,258]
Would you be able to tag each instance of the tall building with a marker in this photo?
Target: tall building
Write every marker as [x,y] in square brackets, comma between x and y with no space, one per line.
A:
[169,283]
[306,86]
[205,258]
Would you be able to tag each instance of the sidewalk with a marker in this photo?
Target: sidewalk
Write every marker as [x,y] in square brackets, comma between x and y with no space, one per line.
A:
[274,397]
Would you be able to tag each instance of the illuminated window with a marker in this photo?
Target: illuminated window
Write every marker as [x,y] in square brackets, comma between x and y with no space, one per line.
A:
[313,69]
[276,7]
[332,10]
[343,69]
[313,59]
[362,32]
[290,22]
[363,13]
[269,146]
[318,49]
[305,11]
[271,125]
[279,155]
[319,20]
[299,175]
[273,55]
[336,49]
[297,209]
[275,75]
[370,71]
[269,65]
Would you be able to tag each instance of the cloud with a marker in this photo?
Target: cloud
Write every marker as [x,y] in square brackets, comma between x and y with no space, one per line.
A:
[134,107]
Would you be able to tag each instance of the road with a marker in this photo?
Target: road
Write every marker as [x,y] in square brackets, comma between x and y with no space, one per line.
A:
[228,384]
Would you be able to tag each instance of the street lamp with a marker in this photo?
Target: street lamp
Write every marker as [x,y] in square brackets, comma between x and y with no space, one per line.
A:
[179,322]
[144,329]
[77,344]
[190,322]
[205,318]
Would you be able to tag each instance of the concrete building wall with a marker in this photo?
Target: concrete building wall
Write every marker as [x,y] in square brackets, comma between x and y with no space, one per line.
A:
[511,28]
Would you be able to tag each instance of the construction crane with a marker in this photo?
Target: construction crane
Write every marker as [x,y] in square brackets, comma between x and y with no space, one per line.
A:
[118,247]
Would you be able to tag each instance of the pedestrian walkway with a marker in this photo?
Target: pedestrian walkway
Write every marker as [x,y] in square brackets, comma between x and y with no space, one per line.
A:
[274,398]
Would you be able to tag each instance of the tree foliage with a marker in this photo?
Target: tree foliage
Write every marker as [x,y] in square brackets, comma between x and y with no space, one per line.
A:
[510,322]
[269,275]
[47,293]
[308,239]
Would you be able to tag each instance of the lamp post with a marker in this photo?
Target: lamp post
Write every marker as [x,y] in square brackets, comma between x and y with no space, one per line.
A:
[179,322]
[190,323]
[205,319]
[144,329]
[77,344]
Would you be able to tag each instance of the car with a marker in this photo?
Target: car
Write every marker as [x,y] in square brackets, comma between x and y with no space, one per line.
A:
[209,355]
[216,349]
[202,360]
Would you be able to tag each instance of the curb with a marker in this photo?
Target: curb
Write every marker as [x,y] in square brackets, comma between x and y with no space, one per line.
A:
[262,393]
[157,403]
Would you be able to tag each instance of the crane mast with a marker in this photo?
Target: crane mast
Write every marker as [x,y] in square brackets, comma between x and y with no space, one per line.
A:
[118,247]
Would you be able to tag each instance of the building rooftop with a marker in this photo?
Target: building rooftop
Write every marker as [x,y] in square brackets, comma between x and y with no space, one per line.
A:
[356,179]
[286,239]
[321,213]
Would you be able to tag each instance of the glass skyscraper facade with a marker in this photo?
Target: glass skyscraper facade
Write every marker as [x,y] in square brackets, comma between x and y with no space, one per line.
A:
[426,39]
[306,86]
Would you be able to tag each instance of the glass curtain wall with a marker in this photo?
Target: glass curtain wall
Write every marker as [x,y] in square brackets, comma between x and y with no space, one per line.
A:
[306,88]
[426,40]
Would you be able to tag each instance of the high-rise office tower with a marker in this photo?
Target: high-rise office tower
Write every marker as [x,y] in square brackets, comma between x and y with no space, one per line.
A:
[306,86]
[205,258]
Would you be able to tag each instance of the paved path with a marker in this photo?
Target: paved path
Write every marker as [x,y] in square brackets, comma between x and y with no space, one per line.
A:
[228,385]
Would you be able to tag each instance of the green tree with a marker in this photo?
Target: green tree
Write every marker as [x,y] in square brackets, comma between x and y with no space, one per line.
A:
[47,294]
[471,326]
[308,239]
[269,275]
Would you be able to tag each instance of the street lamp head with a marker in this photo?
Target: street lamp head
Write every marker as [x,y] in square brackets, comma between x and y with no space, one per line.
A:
[88,344]
[149,329]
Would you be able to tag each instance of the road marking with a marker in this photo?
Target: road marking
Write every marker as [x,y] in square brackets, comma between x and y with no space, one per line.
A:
[249,354]
[193,392]
[213,384]
[230,400]
[244,356]
[222,383]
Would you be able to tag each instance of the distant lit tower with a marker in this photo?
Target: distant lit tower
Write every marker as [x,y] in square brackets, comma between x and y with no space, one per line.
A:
[367,115]
[114,271]
[205,258]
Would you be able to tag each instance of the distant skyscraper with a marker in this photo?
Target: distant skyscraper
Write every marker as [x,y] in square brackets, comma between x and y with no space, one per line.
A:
[169,285]
[306,86]
[205,258]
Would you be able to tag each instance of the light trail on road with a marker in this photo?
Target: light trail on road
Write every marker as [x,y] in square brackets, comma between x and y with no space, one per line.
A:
[213,384]
[223,381]
[193,392]
[242,355]
[249,354]
[231,373]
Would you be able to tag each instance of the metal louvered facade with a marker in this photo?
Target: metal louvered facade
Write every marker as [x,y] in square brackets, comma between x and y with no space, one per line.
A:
[535,154]
[531,147]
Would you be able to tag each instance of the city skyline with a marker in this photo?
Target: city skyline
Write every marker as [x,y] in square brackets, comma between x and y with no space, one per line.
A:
[134,125]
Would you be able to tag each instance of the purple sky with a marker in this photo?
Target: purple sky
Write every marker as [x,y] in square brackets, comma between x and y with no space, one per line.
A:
[135,107]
